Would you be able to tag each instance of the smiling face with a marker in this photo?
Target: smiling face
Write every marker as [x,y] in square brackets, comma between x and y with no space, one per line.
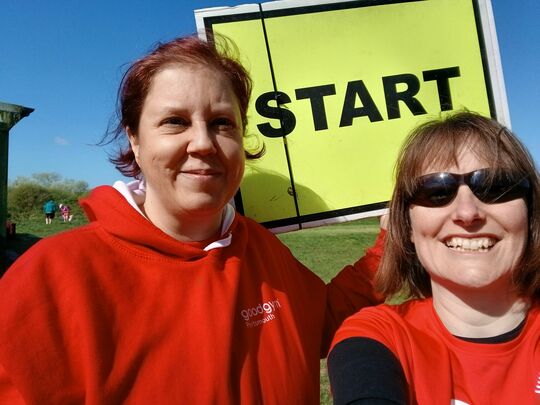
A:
[189,147]
[468,243]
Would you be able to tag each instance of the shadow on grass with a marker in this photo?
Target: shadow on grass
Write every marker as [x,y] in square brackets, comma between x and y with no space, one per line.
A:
[15,247]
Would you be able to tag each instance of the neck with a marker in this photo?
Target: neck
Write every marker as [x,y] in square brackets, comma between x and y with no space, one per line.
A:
[186,227]
[478,313]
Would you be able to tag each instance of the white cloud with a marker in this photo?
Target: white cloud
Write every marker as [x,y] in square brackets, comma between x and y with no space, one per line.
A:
[61,141]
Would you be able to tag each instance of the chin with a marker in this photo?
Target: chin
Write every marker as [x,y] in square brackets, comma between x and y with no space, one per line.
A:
[204,206]
[479,282]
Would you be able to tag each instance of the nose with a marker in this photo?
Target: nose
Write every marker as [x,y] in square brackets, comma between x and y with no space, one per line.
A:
[467,208]
[202,140]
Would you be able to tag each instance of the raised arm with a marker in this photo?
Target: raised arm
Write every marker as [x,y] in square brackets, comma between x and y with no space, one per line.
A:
[352,289]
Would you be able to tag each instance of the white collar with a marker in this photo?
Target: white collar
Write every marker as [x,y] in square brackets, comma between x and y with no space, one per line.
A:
[135,193]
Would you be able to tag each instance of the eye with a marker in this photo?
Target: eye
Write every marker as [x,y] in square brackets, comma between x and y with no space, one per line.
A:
[223,124]
[175,122]
[431,194]
[440,197]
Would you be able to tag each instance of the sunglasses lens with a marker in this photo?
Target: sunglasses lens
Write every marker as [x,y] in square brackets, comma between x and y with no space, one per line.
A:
[484,188]
[435,190]
[503,187]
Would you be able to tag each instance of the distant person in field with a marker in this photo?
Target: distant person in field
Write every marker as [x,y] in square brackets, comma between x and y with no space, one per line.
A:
[169,296]
[49,208]
[65,210]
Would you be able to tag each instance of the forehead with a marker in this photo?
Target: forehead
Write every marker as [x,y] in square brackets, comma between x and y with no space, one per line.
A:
[180,74]
[464,159]
[447,149]
[176,85]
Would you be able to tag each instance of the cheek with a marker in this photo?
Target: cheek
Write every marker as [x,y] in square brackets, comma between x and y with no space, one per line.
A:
[233,151]
[425,224]
[515,220]
[166,153]
[424,241]
[237,166]
[414,221]
[241,167]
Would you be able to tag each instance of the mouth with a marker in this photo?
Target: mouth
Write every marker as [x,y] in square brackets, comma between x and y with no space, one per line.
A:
[201,172]
[483,244]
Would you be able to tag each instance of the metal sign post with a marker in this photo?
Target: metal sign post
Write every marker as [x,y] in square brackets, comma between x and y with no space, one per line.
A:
[10,114]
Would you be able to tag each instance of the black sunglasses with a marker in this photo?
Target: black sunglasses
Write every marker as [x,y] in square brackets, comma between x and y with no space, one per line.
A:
[488,185]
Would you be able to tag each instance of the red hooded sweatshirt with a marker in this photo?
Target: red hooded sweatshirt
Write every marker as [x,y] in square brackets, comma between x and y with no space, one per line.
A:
[119,312]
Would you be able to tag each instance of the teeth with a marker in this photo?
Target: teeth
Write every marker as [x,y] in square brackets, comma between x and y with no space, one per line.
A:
[470,244]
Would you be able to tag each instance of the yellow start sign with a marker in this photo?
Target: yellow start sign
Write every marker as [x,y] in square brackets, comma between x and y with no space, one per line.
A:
[337,87]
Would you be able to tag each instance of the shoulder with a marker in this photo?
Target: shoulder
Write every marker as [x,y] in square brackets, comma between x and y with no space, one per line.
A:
[252,225]
[265,248]
[256,233]
[49,253]
[406,310]
[533,318]
[381,322]
[53,270]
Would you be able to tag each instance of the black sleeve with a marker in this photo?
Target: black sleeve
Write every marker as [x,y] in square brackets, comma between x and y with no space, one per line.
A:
[363,371]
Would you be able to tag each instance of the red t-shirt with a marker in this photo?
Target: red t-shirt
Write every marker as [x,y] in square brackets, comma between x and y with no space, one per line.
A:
[443,369]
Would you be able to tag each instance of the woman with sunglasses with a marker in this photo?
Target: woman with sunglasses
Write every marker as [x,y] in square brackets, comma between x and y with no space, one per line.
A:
[464,244]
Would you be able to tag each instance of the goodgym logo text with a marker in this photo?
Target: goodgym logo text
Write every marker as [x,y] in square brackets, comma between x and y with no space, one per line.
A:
[266,310]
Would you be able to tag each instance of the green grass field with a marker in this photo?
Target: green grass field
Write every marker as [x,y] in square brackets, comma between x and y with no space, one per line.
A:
[324,250]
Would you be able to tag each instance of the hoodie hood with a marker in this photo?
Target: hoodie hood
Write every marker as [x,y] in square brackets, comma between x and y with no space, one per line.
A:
[109,209]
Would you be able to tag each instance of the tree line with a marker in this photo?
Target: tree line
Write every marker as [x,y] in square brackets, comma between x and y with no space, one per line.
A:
[26,195]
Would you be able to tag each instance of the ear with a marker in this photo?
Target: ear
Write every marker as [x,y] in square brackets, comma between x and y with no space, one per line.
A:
[134,142]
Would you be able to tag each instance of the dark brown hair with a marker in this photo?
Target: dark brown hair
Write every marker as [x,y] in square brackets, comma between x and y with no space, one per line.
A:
[135,85]
[437,143]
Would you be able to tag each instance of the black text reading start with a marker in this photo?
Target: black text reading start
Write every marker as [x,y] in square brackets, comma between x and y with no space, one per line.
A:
[350,111]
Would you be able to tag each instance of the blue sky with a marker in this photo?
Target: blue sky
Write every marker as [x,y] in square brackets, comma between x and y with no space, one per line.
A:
[66,58]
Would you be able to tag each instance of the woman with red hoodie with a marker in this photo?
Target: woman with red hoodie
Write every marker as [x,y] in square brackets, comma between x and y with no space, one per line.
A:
[168,295]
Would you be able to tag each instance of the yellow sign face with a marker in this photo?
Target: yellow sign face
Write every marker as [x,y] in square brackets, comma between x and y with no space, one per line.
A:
[337,87]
